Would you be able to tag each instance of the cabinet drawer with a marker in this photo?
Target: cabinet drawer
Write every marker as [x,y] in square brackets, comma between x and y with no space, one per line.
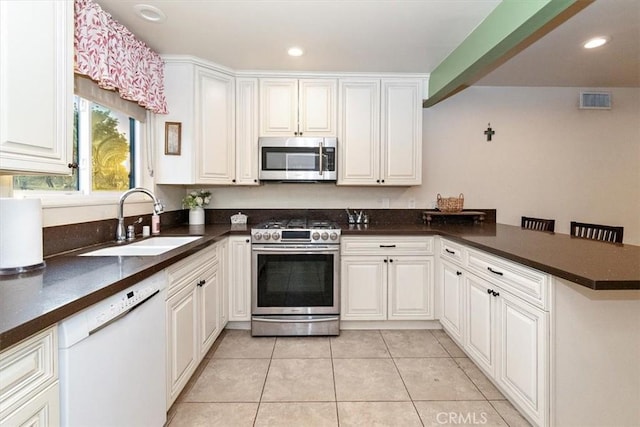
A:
[527,283]
[451,251]
[26,368]
[386,245]
[189,269]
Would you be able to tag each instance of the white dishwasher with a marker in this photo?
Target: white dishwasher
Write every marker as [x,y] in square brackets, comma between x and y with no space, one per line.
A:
[112,360]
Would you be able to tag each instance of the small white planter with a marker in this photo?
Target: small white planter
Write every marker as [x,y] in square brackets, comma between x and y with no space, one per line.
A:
[196,216]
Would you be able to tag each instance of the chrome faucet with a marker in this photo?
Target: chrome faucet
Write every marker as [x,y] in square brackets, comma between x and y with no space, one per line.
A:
[157,208]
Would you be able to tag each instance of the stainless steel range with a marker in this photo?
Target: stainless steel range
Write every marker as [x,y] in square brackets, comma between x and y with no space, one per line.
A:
[295,268]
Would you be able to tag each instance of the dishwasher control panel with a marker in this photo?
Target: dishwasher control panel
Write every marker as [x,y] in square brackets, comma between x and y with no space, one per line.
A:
[127,302]
[98,316]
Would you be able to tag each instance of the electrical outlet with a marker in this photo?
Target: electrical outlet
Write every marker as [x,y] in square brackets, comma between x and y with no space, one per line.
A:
[412,203]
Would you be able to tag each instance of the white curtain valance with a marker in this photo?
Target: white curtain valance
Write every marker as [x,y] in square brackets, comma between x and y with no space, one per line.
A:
[110,54]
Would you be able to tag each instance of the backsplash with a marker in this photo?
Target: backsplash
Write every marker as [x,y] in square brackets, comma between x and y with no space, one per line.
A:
[64,238]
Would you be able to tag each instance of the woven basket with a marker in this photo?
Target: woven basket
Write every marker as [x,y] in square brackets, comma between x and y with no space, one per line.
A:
[450,204]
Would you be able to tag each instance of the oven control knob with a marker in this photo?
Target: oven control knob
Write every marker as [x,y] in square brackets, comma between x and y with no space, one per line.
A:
[266,235]
[333,236]
[315,235]
[276,236]
[324,235]
[257,236]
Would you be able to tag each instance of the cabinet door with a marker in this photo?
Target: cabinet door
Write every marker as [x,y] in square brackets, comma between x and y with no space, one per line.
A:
[410,287]
[36,92]
[41,410]
[239,279]
[363,288]
[522,354]
[278,107]
[359,132]
[246,131]
[401,132]
[223,275]
[182,341]
[317,107]
[452,318]
[480,334]
[208,290]
[215,127]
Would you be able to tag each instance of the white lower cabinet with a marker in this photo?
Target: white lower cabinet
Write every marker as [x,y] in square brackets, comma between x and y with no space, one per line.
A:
[29,387]
[239,278]
[193,319]
[363,288]
[480,324]
[452,316]
[522,349]
[502,325]
[386,278]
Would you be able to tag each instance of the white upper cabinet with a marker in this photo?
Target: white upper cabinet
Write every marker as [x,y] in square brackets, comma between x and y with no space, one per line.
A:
[298,107]
[36,86]
[380,132]
[401,132]
[246,131]
[359,135]
[215,127]
[202,100]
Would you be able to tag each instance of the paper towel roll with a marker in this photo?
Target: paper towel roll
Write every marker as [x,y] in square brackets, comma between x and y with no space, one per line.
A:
[20,233]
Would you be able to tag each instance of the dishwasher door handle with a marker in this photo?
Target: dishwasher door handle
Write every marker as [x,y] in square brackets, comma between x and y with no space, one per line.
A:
[124,313]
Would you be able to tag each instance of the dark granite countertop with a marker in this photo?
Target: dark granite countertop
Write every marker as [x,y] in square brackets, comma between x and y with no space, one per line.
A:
[69,283]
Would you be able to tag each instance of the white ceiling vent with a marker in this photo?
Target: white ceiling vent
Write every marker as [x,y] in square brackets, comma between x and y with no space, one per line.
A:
[595,100]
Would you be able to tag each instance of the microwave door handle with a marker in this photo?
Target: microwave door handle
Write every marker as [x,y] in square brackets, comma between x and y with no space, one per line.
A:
[320,157]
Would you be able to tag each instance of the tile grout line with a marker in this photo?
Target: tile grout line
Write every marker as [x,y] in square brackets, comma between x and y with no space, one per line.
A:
[335,388]
[393,359]
[264,384]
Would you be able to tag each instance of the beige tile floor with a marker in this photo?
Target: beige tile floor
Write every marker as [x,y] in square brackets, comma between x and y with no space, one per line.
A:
[360,378]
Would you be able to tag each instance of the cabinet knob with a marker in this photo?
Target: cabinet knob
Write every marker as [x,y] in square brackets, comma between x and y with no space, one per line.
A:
[247,240]
[385,260]
[495,294]
[377,180]
[255,180]
[390,260]
[489,291]
[73,165]
[383,181]
[458,273]
[201,282]
[233,180]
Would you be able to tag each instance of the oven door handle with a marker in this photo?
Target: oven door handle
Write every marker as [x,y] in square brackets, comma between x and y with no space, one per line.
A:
[320,149]
[284,320]
[297,249]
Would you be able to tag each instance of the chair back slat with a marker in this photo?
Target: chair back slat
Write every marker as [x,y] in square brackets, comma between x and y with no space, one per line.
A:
[538,224]
[604,233]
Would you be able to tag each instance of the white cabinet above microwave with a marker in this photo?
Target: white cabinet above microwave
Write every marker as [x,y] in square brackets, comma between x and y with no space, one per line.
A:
[298,107]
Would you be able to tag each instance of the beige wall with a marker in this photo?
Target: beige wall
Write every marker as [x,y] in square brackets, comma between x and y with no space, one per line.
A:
[547,159]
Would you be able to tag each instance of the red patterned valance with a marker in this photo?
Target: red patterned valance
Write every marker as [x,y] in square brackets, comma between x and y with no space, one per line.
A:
[110,54]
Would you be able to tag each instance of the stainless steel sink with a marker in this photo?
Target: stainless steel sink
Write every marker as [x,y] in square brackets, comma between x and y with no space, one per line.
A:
[149,247]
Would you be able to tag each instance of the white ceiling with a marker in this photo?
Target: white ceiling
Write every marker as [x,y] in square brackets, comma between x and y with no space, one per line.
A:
[386,36]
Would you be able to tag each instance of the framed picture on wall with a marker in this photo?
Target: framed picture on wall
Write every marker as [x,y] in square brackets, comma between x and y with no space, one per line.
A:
[172,138]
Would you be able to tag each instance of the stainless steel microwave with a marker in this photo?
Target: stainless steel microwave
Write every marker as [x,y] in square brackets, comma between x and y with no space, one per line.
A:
[298,159]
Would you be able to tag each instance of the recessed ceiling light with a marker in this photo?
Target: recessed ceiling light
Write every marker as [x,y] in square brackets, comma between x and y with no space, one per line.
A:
[595,42]
[295,51]
[149,13]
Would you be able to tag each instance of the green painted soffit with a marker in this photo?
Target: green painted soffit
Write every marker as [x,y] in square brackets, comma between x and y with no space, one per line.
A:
[508,28]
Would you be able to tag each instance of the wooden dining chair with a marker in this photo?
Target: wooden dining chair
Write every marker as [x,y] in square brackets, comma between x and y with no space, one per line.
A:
[539,224]
[605,233]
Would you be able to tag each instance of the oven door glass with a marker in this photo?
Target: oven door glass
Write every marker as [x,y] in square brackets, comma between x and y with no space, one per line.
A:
[295,283]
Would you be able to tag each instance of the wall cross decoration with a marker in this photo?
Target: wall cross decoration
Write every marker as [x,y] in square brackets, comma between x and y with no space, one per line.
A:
[489,132]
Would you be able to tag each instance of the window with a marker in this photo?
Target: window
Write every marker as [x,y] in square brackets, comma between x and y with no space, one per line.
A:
[104,147]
